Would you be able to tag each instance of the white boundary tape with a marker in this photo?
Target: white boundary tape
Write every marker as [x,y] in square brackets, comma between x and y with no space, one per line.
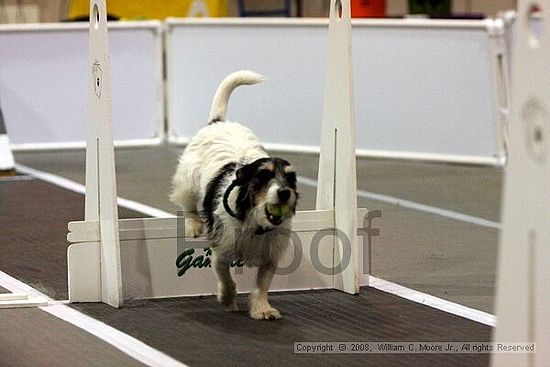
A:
[17,178]
[386,286]
[432,301]
[123,342]
[81,189]
[415,206]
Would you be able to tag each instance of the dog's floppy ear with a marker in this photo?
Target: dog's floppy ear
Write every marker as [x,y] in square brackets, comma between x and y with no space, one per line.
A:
[245,173]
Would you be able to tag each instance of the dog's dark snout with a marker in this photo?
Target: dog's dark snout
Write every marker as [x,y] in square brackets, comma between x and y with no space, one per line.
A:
[284,194]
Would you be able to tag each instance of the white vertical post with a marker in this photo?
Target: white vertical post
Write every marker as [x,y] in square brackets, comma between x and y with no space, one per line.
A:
[6,157]
[337,167]
[523,296]
[100,163]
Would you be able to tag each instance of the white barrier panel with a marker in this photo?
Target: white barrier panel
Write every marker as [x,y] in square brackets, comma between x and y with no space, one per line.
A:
[43,79]
[424,89]
[155,266]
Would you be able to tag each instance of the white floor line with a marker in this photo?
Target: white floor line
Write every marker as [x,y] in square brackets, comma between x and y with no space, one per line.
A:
[381,284]
[17,178]
[123,342]
[77,187]
[415,206]
[432,301]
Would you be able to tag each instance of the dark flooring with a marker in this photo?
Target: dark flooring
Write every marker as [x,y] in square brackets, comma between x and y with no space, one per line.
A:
[30,337]
[33,249]
[144,174]
[33,219]
[443,257]
[33,239]
[198,332]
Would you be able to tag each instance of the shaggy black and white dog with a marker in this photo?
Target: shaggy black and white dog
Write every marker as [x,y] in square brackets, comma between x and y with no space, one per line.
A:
[244,198]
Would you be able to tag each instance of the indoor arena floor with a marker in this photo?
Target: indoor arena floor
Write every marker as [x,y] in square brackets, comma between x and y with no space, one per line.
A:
[438,236]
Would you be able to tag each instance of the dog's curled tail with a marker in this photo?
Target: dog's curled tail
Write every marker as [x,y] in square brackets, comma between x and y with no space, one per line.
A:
[221,98]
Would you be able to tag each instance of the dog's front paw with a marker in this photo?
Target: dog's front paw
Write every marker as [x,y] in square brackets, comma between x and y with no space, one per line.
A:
[231,307]
[265,313]
[193,227]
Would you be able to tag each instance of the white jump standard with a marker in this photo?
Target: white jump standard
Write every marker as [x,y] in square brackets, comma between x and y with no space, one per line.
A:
[7,163]
[111,260]
[523,298]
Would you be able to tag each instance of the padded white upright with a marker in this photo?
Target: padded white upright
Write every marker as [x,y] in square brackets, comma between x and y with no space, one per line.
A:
[6,156]
[338,145]
[424,89]
[101,197]
[155,260]
[509,19]
[523,297]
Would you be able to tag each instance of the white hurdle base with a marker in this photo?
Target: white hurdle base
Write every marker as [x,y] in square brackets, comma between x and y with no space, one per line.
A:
[20,300]
[149,251]
[6,157]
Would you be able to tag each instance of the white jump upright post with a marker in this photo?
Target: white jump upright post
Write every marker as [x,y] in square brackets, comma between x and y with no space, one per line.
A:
[337,189]
[101,197]
[7,163]
[523,297]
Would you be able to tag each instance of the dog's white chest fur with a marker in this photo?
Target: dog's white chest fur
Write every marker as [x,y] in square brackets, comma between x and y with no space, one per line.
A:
[252,248]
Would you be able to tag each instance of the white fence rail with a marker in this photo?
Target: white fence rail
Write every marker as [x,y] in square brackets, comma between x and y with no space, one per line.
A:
[425,89]
[43,79]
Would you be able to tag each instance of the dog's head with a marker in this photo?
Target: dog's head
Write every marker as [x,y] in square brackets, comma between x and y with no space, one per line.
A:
[268,192]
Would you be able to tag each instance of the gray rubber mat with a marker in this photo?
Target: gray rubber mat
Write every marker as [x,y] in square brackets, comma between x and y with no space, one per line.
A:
[198,332]
[33,240]
[32,338]
[449,259]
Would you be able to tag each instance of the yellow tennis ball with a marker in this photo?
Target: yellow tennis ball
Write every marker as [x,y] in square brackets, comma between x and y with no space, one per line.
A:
[278,210]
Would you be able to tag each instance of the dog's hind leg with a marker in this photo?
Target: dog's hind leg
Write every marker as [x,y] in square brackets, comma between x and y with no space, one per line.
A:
[260,309]
[185,196]
[226,286]
[188,203]
[193,226]
[193,222]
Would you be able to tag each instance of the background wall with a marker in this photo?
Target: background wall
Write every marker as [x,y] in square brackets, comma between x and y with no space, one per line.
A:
[489,7]
[438,103]
[28,11]
[43,101]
